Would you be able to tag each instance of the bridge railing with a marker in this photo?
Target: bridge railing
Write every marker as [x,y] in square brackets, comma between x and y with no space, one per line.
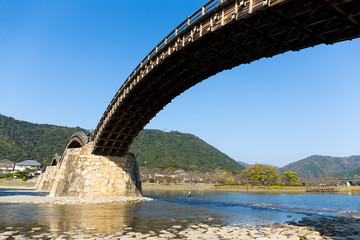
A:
[178,38]
[170,38]
[206,8]
[211,16]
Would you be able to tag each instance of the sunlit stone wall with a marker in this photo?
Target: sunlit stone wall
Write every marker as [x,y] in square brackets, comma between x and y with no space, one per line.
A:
[47,179]
[84,174]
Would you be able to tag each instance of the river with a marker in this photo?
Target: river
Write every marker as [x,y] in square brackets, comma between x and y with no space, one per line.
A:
[173,207]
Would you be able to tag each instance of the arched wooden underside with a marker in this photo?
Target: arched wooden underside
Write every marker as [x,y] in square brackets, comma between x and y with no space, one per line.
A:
[219,36]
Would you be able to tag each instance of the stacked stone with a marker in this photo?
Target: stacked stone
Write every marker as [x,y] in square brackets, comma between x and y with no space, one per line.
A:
[47,179]
[86,175]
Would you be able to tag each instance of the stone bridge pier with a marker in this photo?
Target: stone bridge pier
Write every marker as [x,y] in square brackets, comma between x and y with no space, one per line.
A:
[81,173]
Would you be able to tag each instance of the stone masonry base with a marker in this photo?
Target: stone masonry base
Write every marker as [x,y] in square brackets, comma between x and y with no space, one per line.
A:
[81,173]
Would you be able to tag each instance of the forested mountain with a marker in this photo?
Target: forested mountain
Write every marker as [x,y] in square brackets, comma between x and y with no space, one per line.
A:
[20,140]
[159,149]
[315,166]
[355,172]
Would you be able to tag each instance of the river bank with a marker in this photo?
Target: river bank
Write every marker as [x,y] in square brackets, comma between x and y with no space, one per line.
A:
[4,182]
[237,188]
[18,183]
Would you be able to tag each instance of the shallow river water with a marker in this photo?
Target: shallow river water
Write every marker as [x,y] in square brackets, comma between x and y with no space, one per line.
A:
[175,208]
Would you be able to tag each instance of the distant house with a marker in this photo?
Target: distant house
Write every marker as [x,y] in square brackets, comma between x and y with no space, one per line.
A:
[180,172]
[158,175]
[6,165]
[21,166]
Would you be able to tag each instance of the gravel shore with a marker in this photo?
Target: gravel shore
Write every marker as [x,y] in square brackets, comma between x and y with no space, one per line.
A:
[308,228]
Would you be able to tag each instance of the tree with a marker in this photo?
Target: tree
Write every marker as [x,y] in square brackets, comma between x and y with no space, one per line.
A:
[235,172]
[263,174]
[230,180]
[167,178]
[290,177]
[170,169]
[22,174]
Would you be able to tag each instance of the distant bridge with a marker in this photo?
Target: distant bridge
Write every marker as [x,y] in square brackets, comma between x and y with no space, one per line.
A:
[220,35]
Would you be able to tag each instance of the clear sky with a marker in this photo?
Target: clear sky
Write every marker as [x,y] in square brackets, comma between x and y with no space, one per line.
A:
[62,61]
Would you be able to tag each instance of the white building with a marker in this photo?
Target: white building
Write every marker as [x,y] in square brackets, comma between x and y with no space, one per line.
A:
[21,166]
[6,165]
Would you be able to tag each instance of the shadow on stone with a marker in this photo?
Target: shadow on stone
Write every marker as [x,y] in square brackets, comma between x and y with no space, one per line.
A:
[334,228]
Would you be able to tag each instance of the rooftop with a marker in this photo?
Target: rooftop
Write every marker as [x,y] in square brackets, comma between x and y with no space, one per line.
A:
[6,162]
[28,163]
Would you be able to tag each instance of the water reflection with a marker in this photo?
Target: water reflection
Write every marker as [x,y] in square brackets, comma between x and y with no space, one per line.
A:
[108,218]
[100,217]
[68,218]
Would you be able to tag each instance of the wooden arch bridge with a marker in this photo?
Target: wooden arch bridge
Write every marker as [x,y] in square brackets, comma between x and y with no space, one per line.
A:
[220,35]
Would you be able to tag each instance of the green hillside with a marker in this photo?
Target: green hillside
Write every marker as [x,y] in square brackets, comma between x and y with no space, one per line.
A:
[20,140]
[158,149]
[355,172]
[314,166]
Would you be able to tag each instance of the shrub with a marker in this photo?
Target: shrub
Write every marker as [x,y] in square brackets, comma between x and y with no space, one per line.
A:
[274,187]
[290,177]
[9,176]
[230,180]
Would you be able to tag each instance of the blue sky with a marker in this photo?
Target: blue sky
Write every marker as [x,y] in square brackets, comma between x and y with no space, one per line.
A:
[62,61]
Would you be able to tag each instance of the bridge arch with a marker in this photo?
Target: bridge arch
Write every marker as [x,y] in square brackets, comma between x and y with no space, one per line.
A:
[220,35]
[55,160]
[77,140]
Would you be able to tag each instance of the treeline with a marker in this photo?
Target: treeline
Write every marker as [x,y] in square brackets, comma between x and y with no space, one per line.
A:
[20,140]
[258,174]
